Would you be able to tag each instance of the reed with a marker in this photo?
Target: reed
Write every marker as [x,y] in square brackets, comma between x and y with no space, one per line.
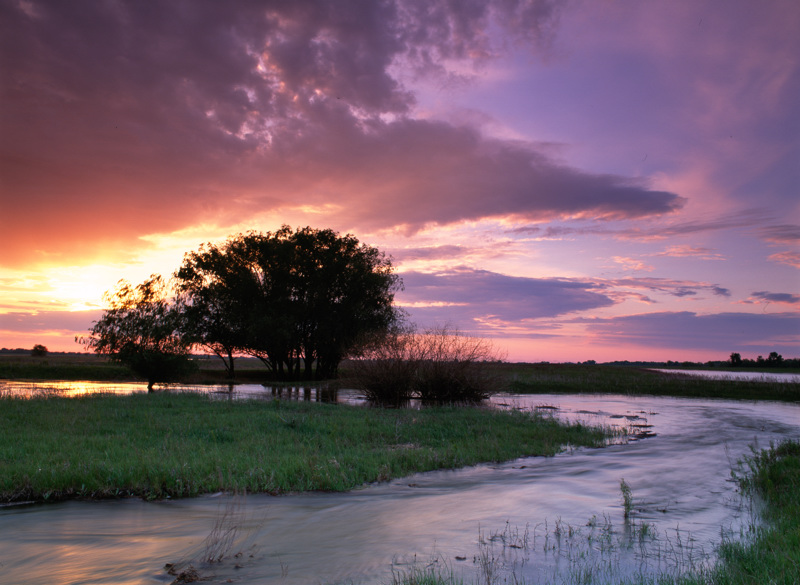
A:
[626,380]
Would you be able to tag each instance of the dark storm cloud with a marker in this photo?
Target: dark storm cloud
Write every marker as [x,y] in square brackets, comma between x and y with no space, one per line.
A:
[685,330]
[464,295]
[125,118]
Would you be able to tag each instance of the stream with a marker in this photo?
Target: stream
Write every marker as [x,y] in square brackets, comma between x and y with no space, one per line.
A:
[538,519]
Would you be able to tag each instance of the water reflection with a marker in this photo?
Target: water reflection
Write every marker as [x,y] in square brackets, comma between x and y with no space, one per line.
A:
[316,393]
[569,507]
[744,376]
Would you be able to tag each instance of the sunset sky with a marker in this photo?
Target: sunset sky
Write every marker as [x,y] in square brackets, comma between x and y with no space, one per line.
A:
[577,180]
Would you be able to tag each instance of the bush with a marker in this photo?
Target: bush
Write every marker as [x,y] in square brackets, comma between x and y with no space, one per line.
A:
[439,365]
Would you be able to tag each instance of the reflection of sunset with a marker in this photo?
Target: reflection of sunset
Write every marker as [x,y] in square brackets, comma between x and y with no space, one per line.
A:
[526,168]
[69,389]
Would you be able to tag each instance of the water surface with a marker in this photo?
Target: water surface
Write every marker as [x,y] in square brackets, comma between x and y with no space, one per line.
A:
[745,376]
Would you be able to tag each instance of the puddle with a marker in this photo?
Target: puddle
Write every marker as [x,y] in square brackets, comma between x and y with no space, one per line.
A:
[532,516]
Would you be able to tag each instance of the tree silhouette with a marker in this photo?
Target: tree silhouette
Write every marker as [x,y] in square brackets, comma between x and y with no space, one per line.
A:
[141,328]
[291,298]
[39,350]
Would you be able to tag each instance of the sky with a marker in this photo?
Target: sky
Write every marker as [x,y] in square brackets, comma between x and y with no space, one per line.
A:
[575,180]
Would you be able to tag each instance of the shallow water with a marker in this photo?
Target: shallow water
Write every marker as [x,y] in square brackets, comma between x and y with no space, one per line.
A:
[679,476]
[25,389]
[745,376]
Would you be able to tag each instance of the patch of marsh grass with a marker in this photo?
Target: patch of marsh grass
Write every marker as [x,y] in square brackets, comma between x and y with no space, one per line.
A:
[606,379]
[183,444]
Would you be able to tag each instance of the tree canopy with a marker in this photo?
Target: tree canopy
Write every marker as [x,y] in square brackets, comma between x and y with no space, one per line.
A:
[299,300]
[141,328]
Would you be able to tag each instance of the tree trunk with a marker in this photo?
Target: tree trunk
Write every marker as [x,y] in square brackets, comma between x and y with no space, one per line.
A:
[229,365]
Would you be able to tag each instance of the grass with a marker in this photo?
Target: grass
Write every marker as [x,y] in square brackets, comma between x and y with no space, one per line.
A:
[71,366]
[770,556]
[92,367]
[606,379]
[183,444]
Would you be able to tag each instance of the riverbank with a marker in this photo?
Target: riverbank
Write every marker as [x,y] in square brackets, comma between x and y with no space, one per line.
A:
[165,444]
[607,379]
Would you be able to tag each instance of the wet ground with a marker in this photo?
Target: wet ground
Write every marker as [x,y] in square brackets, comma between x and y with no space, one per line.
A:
[537,518]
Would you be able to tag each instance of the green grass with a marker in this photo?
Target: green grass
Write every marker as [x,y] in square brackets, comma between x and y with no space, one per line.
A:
[62,367]
[182,444]
[606,379]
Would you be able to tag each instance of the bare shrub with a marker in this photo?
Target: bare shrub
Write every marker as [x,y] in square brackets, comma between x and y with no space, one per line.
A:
[454,367]
[386,370]
[438,365]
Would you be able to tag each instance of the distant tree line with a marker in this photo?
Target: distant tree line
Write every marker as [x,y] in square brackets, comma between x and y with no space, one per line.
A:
[773,360]
[300,301]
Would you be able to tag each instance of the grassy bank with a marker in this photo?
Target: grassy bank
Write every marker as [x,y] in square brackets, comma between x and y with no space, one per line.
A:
[167,444]
[605,379]
[70,366]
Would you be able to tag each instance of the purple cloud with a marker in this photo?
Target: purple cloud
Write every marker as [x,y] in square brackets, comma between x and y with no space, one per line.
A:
[44,321]
[781,234]
[657,231]
[787,298]
[465,296]
[431,253]
[757,333]
[676,288]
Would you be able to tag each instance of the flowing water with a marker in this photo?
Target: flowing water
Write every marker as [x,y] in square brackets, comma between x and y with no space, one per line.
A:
[538,519]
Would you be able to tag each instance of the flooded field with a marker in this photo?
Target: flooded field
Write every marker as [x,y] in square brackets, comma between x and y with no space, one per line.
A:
[748,376]
[538,519]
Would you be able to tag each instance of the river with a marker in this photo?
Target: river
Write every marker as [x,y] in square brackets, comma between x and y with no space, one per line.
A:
[538,519]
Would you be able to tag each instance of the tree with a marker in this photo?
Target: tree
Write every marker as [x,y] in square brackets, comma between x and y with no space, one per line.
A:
[306,297]
[212,312]
[141,328]
[735,359]
[774,359]
[39,350]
